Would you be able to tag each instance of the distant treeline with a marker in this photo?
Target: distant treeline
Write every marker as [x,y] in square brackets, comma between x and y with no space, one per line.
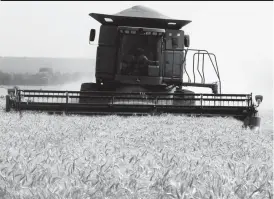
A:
[38,79]
[32,64]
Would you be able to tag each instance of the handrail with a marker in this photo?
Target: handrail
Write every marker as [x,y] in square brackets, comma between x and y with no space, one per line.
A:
[201,52]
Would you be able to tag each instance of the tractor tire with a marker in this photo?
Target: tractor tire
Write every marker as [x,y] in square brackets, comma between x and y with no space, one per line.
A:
[87,87]
[252,122]
[185,100]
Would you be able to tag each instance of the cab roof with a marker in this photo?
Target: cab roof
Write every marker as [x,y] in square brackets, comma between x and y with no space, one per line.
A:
[140,16]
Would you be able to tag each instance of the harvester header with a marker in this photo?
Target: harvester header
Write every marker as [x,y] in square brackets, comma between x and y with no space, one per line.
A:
[141,69]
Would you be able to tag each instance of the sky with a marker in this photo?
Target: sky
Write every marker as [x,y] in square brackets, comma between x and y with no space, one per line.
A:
[239,33]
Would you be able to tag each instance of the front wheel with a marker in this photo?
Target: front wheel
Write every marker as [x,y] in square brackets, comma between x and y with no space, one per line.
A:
[85,88]
[184,100]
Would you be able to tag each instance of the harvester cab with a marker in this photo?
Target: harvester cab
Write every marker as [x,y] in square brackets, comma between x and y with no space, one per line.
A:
[144,49]
[141,69]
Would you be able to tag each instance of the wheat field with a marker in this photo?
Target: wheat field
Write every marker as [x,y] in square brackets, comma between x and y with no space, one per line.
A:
[48,156]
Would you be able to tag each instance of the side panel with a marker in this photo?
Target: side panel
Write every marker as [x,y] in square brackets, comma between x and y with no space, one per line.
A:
[105,62]
[178,63]
[108,35]
[106,53]
[174,55]
[168,63]
[173,63]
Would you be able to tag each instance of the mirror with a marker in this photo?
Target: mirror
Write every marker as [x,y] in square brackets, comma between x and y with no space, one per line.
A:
[259,99]
[92,35]
[187,41]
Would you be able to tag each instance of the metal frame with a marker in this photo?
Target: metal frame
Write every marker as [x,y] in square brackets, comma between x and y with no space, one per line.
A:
[216,87]
[150,102]
[199,52]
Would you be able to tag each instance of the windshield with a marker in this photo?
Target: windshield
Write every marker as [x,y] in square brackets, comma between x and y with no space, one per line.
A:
[138,52]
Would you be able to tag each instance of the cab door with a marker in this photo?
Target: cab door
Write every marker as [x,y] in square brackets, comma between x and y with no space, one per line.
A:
[174,55]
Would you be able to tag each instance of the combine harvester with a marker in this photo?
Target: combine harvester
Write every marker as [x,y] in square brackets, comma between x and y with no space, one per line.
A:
[141,69]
